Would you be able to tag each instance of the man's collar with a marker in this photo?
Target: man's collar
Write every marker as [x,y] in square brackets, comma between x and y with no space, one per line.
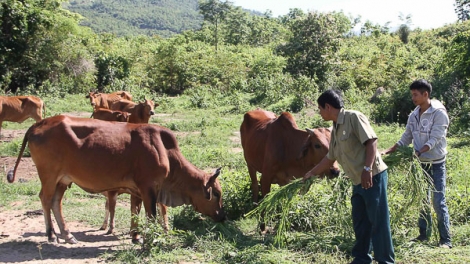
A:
[341,115]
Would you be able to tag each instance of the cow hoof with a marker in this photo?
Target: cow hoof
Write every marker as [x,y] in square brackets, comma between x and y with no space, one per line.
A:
[53,240]
[71,240]
[103,228]
[110,232]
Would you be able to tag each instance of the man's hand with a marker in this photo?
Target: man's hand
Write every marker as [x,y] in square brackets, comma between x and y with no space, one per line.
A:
[389,150]
[307,176]
[366,179]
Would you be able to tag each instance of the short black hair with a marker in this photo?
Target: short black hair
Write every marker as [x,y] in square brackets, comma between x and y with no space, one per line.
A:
[422,86]
[331,97]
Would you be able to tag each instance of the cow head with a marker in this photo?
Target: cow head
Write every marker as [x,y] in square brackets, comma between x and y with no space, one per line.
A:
[93,96]
[147,109]
[210,203]
[315,149]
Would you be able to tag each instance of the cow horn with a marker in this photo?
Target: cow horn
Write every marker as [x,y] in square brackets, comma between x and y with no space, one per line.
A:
[309,131]
[216,174]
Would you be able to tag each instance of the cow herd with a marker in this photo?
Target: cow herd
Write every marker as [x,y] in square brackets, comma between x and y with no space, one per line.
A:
[117,151]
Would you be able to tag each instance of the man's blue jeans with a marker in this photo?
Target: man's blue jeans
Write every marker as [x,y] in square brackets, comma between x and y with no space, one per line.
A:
[371,221]
[437,172]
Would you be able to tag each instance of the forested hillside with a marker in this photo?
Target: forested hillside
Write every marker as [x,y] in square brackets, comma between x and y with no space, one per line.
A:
[134,17]
[281,62]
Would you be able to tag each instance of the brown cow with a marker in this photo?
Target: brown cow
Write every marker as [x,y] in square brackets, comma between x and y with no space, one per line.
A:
[20,108]
[110,115]
[141,113]
[99,156]
[276,148]
[103,100]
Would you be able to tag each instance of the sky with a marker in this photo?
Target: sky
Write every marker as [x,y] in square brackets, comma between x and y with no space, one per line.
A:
[425,14]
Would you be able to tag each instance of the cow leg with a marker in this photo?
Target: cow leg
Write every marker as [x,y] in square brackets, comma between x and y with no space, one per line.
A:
[254,185]
[265,189]
[136,205]
[46,200]
[110,207]
[104,226]
[163,219]
[57,209]
[1,129]
[265,184]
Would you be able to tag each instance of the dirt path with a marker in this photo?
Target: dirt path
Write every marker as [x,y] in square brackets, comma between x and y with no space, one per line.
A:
[22,232]
[23,240]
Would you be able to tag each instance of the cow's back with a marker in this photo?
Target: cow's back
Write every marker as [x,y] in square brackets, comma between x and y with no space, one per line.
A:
[123,95]
[110,115]
[122,105]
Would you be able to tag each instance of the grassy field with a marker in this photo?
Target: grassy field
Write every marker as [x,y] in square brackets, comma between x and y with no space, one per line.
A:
[321,230]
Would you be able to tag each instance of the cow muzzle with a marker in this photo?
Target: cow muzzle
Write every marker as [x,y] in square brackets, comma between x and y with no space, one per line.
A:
[334,172]
[219,216]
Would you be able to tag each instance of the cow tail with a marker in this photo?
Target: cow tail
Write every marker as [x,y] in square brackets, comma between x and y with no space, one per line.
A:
[43,110]
[12,172]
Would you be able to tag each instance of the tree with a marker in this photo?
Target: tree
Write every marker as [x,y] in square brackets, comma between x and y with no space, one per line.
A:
[404,29]
[32,33]
[462,9]
[215,11]
[237,28]
[311,48]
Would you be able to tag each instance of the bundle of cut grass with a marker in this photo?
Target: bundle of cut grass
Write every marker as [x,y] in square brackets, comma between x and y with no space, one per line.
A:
[412,187]
[278,203]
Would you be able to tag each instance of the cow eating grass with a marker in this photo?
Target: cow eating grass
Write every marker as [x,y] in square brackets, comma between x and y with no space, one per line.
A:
[98,156]
[281,152]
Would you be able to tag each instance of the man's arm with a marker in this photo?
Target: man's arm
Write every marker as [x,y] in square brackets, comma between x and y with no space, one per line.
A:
[324,165]
[371,149]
